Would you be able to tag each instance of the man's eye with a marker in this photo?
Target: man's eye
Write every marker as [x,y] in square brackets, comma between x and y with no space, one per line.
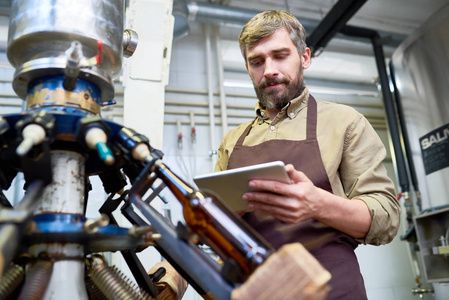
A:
[256,63]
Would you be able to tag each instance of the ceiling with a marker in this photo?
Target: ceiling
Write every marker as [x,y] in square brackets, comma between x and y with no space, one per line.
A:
[394,16]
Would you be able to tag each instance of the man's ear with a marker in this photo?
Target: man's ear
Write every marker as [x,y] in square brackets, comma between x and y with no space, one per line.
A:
[305,57]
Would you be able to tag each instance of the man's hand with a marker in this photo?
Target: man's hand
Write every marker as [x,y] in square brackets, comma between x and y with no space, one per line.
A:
[302,200]
[291,203]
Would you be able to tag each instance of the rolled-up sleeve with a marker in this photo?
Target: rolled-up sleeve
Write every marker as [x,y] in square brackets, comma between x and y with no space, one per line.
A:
[364,177]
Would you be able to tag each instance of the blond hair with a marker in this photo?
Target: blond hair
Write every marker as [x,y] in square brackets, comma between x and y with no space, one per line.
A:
[265,24]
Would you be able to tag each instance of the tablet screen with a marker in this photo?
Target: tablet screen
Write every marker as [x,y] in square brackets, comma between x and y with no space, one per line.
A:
[230,185]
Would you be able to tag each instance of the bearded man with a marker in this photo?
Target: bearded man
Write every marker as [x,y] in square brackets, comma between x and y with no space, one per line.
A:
[340,195]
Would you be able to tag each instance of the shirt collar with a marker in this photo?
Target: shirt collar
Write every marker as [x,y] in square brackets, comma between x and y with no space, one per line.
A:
[292,108]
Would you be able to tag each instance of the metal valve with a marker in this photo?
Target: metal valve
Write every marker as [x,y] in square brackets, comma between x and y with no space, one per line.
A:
[74,56]
[34,129]
[93,132]
[130,40]
[92,226]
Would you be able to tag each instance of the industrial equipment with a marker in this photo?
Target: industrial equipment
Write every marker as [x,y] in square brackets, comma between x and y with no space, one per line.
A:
[65,56]
[419,72]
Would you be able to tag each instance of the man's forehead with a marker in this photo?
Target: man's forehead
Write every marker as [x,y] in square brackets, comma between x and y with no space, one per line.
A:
[278,39]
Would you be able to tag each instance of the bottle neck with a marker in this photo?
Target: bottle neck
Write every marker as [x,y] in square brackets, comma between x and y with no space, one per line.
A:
[181,190]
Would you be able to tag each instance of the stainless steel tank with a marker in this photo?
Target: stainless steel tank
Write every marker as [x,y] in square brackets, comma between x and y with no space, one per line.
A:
[421,65]
[421,72]
[40,33]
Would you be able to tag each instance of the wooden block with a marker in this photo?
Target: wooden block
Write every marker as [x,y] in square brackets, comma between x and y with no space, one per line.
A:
[172,286]
[290,273]
[165,292]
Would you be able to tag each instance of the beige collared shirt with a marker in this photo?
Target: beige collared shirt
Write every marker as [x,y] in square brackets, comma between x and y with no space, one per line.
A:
[351,151]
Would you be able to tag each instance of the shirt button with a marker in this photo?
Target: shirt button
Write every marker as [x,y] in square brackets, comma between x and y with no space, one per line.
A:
[272,128]
[292,114]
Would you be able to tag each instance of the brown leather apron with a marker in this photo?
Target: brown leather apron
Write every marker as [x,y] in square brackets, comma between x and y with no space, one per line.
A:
[332,248]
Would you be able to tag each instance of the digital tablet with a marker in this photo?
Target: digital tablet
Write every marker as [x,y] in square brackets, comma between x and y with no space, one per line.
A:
[230,185]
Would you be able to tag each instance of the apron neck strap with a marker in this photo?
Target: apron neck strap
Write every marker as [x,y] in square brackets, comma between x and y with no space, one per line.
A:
[311,118]
[244,134]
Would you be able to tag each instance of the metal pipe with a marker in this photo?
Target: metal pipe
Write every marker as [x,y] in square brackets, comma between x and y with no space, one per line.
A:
[377,121]
[358,101]
[390,113]
[240,112]
[390,110]
[327,88]
[220,15]
[210,95]
[405,138]
[9,242]
[334,20]
[360,96]
[248,112]
[64,195]
[180,12]
[211,13]
[238,121]
[224,116]
[11,234]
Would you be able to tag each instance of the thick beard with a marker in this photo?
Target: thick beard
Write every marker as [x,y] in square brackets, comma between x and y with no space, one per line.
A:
[278,99]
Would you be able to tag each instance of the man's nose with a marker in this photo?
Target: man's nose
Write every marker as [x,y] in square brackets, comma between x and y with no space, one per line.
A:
[271,69]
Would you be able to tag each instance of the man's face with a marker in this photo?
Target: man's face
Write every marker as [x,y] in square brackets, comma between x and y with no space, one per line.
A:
[275,67]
